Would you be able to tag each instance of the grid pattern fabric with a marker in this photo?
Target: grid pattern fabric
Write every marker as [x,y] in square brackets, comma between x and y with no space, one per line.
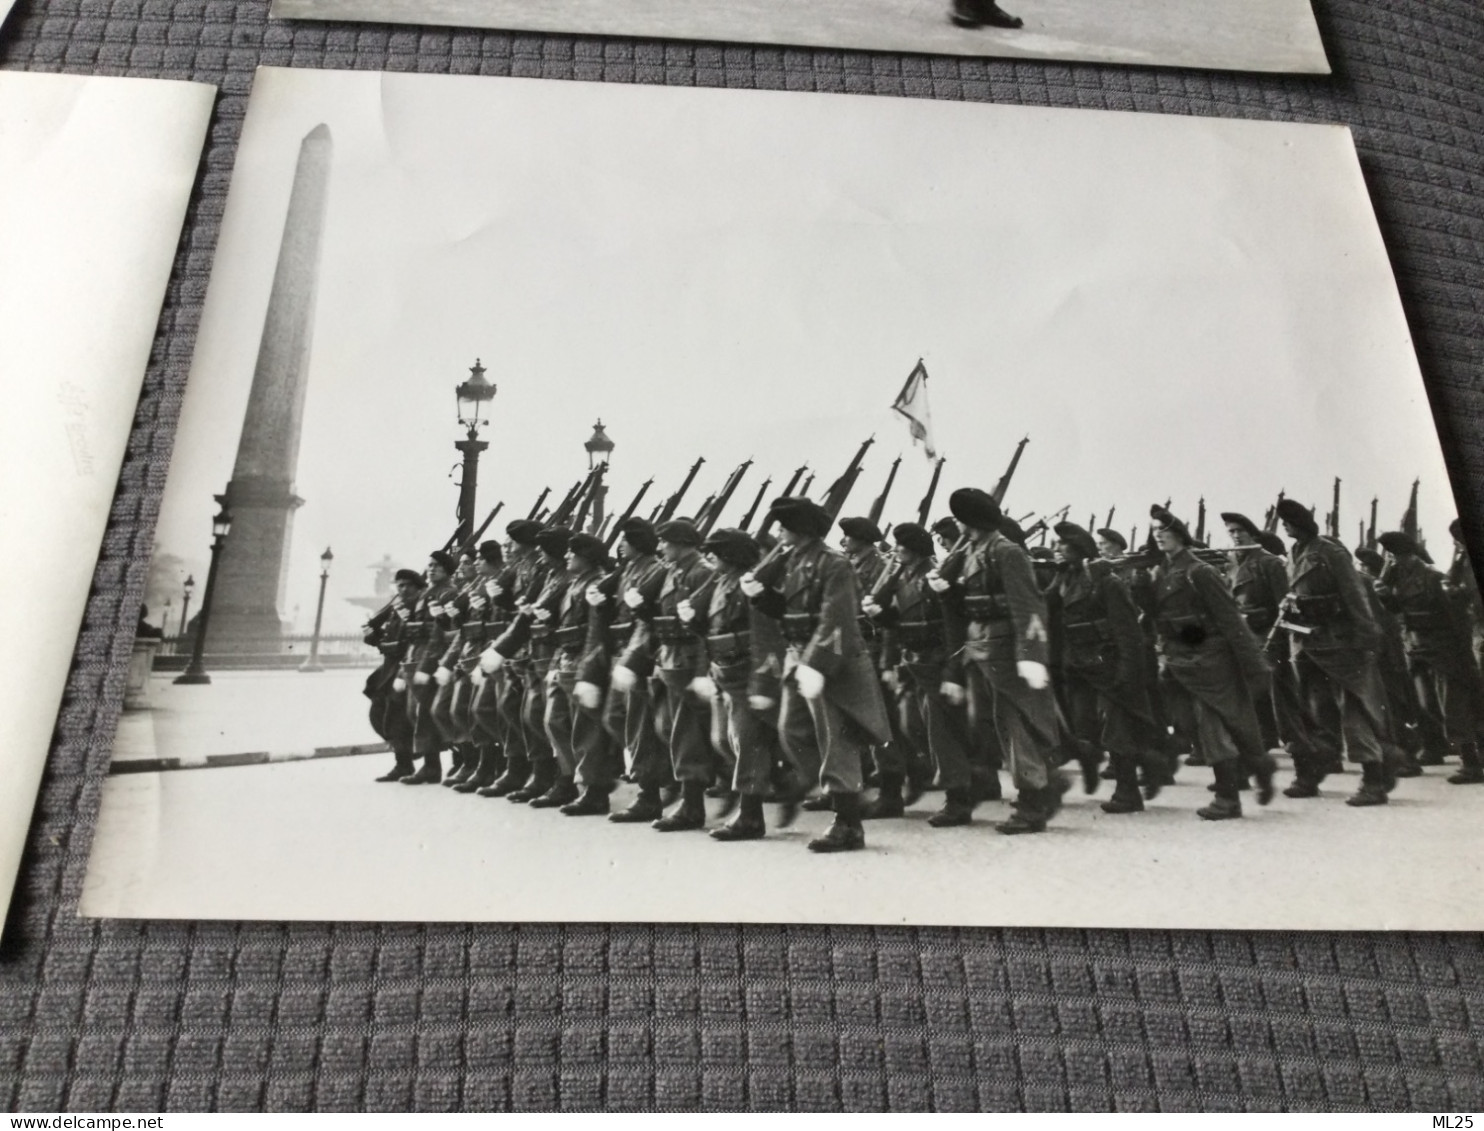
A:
[179,1016]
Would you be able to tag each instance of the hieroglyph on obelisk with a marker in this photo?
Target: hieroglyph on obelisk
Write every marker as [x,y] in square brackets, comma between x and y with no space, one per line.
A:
[253,572]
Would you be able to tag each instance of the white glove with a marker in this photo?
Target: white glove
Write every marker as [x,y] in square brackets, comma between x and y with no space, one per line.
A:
[553,679]
[953,692]
[751,585]
[1036,677]
[810,681]
[491,661]
[437,610]
[399,685]
[623,679]
[542,615]
[476,677]
[595,596]
[422,679]
[632,597]
[685,611]
[892,680]
[703,687]
[936,583]
[870,607]
[443,676]
[589,695]
[492,587]
[761,702]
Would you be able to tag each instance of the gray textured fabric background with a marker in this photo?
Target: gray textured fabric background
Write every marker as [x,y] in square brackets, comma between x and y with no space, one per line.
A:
[249,1016]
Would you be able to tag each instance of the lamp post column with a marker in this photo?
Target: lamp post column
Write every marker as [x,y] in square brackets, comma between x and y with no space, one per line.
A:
[312,664]
[195,672]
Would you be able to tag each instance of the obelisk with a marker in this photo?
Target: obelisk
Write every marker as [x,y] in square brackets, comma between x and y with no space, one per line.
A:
[253,574]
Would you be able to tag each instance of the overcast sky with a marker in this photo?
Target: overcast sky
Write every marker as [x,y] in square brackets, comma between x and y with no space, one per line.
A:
[1168,307]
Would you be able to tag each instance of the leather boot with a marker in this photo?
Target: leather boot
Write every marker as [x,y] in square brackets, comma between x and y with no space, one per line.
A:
[820,804]
[431,772]
[517,770]
[689,814]
[748,824]
[460,765]
[646,808]
[1472,772]
[404,768]
[958,809]
[1126,796]
[729,799]
[982,13]
[540,781]
[592,803]
[984,785]
[846,834]
[1372,789]
[486,770]
[1030,813]
[888,802]
[1090,759]
[1263,771]
[563,791]
[1227,804]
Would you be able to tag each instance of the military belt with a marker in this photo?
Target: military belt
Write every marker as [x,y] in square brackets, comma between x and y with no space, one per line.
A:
[798,628]
[570,637]
[1424,620]
[1088,632]
[918,634]
[727,646]
[1258,619]
[987,607]
[668,630]
[1321,609]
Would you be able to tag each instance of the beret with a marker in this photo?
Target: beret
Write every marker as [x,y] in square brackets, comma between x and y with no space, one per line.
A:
[801,515]
[1108,534]
[412,577]
[588,546]
[523,531]
[553,540]
[975,508]
[1232,518]
[1168,521]
[1271,543]
[491,552]
[680,531]
[445,559]
[735,547]
[640,534]
[861,529]
[911,536]
[1297,516]
[1078,538]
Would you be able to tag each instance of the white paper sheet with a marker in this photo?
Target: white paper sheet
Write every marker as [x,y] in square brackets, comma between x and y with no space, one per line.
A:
[95,175]
[1257,35]
[1170,307]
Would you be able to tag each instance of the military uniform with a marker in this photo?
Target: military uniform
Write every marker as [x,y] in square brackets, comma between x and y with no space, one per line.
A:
[1335,662]
[1103,684]
[427,636]
[386,631]
[915,649]
[1259,582]
[499,706]
[629,715]
[997,620]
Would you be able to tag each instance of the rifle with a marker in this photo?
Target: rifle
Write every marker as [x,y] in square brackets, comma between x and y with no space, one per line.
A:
[925,507]
[808,483]
[1200,520]
[667,511]
[787,491]
[564,508]
[757,502]
[834,499]
[627,514]
[1370,535]
[1004,484]
[880,504]
[473,539]
[595,481]
[540,499]
[1108,525]
[724,498]
[1334,514]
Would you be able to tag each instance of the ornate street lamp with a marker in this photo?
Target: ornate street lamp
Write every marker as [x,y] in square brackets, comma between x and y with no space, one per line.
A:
[312,664]
[599,450]
[195,671]
[472,394]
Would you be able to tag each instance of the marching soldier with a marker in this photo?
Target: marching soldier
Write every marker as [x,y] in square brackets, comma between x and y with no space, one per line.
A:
[425,642]
[1335,640]
[1207,651]
[480,710]
[634,591]
[1102,663]
[660,641]
[1439,653]
[831,706]
[499,705]
[385,687]
[574,696]
[460,622]
[916,666]
[1402,744]
[1259,581]
[528,642]
[996,621]
[744,658]
[1463,587]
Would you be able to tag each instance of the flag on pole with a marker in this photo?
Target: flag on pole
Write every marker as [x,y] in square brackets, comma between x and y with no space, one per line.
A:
[912,405]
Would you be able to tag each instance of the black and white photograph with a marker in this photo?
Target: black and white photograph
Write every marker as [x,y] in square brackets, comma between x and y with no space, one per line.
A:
[643,505]
[1260,35]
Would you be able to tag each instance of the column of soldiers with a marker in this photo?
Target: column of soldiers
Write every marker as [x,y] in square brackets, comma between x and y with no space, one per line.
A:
[734,666]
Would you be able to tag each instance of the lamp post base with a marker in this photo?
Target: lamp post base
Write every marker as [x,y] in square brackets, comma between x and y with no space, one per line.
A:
[192,677]
[309,666]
